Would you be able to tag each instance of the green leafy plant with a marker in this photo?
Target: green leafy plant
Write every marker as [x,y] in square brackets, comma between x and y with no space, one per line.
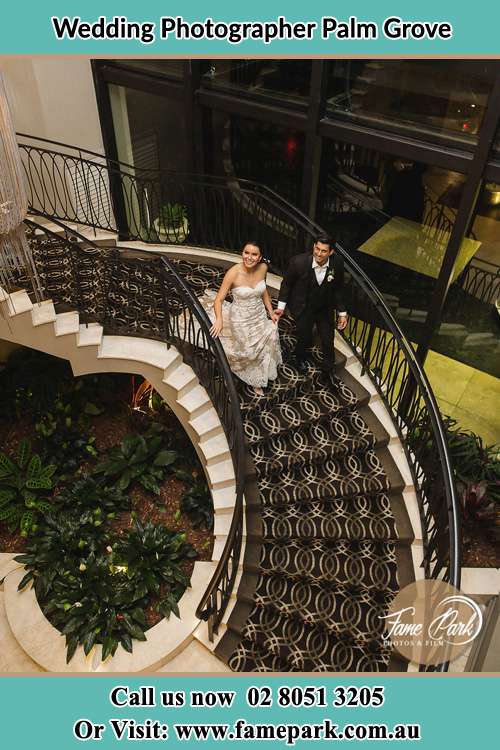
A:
[152,556]
[90,495]
[65,438]
[172,214]
[24,483]
[97,594]
[139,458]
[79,590]
[197,503]
[477,471]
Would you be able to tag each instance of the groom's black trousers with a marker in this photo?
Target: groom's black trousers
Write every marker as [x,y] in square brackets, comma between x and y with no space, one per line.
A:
[304,324]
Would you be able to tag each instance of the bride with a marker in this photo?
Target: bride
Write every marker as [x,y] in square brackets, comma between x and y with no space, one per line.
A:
[249,338]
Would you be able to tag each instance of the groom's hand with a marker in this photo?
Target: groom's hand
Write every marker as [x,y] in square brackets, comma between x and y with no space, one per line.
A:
[341,322]
[277,315]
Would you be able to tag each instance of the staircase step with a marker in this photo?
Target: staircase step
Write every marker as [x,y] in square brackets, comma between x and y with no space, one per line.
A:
[196,401]
[366,564]
[362,517]
[66,323]
[272,419]
[338,609]
[335,436]
[154,353]
[43,312]
[247,656]
[307,647]
[341,476]
[182,379]
[290,384]
[90,335]
[18,303]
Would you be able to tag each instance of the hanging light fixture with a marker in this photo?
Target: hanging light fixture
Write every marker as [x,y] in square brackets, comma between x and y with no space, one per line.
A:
[15,253]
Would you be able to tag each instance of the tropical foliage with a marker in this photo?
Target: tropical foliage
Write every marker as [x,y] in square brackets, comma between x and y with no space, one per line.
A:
[138,458]
[24,486]
[101,572]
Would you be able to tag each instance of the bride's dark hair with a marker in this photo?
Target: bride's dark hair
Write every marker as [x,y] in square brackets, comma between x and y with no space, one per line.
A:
[253,243]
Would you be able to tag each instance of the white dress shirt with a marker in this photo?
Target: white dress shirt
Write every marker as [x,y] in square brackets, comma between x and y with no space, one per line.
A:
[320,272]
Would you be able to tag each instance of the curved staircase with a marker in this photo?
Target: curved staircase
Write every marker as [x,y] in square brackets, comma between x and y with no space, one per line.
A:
[347,482]
[324,554]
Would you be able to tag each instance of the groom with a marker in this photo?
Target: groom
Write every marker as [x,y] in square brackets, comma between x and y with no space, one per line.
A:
[312,290]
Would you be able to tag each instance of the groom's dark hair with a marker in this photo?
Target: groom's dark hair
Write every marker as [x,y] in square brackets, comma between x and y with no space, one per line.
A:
[323,238]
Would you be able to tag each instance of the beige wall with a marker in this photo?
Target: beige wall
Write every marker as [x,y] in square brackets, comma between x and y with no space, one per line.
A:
[53,98]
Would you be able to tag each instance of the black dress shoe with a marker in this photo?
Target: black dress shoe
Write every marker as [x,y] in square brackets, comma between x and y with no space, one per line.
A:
[327,367]
[301,365]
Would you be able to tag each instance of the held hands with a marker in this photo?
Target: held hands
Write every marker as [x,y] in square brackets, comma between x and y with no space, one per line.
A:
[341,322]
[276,315]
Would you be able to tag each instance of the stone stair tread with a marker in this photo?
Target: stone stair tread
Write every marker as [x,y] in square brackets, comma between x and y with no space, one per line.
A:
[18,302]
[43,312]
[66,323]
[90,334]
[195,399]
[182,376]
[151,352]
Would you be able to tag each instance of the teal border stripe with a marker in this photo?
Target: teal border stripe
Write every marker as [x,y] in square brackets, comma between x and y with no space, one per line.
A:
[26,28]
[453,712]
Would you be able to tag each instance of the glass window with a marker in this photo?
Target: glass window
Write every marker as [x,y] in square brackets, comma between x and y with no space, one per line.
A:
[447,96]
[260,151]
[390,213]
[287,80]
[149,129]
[470,327]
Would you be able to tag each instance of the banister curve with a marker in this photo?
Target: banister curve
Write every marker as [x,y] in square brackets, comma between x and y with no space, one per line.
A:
[221,212]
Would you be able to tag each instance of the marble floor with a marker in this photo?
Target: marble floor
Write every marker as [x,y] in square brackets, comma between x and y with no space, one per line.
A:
[468,395]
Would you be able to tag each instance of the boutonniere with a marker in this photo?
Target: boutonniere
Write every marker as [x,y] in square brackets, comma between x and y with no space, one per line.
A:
[330,275]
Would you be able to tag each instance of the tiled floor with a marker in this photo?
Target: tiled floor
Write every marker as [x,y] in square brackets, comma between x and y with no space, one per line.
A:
[468,395]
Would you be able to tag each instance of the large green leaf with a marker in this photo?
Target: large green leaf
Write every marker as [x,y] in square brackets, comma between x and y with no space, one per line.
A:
[7,467]
[23,452]
[165,458]
[34,467]
[6,496]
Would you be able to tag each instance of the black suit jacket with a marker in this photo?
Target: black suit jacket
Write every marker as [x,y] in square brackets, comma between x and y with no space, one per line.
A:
[298,285]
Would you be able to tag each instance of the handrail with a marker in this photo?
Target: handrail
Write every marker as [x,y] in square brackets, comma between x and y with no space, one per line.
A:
[189,330]
[223,212]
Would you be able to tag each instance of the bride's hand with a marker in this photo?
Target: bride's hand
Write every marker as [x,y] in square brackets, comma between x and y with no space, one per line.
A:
[216,329]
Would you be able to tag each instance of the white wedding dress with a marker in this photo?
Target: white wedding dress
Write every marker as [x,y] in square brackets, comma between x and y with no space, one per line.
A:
[250,340]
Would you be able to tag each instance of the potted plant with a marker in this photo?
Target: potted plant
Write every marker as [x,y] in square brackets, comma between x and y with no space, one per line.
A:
[172,224]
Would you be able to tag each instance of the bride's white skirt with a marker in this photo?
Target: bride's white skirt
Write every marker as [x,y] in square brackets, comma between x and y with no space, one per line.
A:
[249,339]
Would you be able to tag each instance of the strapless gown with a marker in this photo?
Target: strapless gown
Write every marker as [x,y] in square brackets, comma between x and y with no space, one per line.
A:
[250,340]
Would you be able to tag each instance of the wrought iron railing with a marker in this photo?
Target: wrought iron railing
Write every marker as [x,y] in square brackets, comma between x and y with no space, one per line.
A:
[481,280]
[132,293]
[223,213]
